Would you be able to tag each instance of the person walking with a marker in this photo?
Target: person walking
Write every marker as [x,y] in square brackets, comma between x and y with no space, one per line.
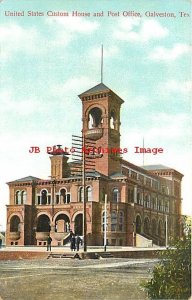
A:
[73,242]
[49,240]
[70,234]
[1,242]
[78,242]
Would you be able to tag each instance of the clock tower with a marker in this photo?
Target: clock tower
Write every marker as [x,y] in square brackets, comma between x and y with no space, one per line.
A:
[101,123]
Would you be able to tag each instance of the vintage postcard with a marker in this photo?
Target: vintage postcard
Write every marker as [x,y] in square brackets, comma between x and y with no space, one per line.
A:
[95,124]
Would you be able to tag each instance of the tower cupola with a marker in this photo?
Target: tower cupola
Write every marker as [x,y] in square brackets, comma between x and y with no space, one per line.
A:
[101,123]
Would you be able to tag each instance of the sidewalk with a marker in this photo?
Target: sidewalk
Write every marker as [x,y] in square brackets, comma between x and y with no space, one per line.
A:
[67,249]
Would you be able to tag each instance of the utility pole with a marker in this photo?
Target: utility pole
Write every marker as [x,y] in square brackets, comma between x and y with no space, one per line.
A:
[53,194]
[105,224]
[166,231]
[134,234]
[84,200]
[84,164]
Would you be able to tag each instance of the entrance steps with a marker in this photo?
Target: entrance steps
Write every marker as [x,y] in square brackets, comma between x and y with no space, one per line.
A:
[63,255]
[105,255]
[142,241]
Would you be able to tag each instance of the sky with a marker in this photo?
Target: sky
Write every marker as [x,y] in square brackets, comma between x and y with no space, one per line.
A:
[47,61]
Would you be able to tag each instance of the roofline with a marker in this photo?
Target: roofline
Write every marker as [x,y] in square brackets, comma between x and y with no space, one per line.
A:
[166,169]
[141,170]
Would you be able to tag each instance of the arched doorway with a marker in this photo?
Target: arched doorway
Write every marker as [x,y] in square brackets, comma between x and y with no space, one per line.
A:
[79,224]
[146,225]
[43,223]
[62,223]
[138,224]
[15,224]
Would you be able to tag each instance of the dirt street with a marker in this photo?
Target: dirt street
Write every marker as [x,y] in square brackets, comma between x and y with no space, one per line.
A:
[66,279]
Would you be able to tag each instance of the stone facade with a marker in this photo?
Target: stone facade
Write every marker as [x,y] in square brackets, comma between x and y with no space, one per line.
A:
[138,199]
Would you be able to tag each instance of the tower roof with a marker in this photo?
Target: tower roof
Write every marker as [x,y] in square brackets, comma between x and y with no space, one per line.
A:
[98,88]
[101,87]
[25,179]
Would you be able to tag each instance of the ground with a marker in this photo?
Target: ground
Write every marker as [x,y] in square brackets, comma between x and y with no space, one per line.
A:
[60,279]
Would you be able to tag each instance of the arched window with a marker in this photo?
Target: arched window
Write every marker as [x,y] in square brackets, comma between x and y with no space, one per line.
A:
[23,197]
[115,195]
[63,193]
[138,224]
[81,194]
[121,221]
[44,197]
[113,221]
[95,118]
[65,197]
[18,197]
[89,193]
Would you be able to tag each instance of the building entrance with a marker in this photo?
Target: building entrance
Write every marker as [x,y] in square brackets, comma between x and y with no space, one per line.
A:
[79,224]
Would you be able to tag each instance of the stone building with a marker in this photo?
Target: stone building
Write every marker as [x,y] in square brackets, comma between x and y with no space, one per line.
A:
[138,198]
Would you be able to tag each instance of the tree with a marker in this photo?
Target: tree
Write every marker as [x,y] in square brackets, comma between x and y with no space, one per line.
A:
[171,277]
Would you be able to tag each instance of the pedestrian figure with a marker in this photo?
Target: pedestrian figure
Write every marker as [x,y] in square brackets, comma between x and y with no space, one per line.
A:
[0,243]
[49,240]
[73,242]
[70,234]
[78,242]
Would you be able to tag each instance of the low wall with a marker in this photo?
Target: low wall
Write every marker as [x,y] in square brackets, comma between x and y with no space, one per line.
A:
[16,255]
[123,254]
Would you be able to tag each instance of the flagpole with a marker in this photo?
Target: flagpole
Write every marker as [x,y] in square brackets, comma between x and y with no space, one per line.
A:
[143,151]
[101,63]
